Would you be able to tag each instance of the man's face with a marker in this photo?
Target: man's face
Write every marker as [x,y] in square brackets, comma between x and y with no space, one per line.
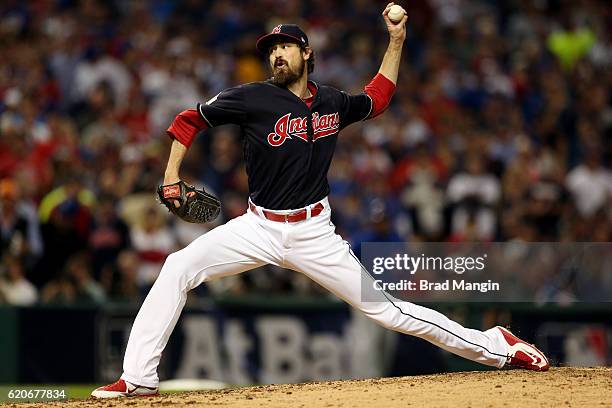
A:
[287,63]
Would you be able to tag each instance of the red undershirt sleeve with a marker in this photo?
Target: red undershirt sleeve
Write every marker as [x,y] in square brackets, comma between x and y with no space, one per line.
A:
[380,89]
[185,126]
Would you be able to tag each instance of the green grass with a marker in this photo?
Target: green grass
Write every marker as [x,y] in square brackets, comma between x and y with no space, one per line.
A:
[78,391]
[73,391]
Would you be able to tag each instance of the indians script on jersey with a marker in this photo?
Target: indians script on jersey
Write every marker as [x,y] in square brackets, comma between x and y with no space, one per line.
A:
[285,127]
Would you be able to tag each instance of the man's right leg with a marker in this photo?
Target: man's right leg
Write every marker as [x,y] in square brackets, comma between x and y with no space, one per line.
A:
[237,246]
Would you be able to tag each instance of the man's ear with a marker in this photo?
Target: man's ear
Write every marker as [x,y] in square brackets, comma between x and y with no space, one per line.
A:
[307,53]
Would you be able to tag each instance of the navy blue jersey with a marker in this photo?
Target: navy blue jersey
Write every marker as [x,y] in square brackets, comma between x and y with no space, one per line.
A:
[288,146]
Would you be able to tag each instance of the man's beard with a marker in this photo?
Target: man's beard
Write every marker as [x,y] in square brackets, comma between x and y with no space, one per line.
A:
[285,76]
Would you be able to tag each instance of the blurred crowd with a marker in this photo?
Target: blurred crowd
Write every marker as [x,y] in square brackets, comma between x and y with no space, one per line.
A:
[499,130]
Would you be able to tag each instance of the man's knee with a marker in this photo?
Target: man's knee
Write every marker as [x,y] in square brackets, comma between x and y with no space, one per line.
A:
[177,268]
[386,314]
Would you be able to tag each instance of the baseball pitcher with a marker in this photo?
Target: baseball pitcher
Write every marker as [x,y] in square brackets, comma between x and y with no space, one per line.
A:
[290,126]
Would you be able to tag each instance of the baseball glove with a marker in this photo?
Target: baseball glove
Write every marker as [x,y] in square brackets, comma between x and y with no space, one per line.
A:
[196,206]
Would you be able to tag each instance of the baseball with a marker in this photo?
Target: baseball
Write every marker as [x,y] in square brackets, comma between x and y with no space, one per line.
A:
[396,13]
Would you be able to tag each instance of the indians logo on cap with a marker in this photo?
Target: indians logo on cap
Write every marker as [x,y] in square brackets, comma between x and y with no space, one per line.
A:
[277,29]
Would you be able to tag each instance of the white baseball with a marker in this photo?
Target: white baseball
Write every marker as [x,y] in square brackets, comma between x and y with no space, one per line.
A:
[396,13]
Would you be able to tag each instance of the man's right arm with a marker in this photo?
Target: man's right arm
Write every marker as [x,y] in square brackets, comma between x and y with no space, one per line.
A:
[226,107]
[177,153]
[184,128]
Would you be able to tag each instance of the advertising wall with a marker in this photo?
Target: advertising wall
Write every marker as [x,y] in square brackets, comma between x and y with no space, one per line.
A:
[258,340]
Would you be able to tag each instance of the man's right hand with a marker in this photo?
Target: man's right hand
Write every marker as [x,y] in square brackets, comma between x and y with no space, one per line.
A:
[189,203]
[172,179]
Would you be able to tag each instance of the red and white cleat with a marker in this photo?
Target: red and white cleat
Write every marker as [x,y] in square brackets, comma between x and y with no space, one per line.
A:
[123,388]
[522,354]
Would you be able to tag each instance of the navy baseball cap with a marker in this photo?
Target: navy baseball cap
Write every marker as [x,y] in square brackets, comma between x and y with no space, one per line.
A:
[280,33]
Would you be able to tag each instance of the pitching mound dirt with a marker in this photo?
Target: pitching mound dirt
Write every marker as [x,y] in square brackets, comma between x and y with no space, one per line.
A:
[560,387]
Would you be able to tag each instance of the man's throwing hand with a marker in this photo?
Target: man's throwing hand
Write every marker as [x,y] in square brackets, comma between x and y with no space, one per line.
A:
[397,31]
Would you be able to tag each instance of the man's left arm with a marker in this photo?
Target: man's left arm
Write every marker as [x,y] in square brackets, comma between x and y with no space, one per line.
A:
[381,88]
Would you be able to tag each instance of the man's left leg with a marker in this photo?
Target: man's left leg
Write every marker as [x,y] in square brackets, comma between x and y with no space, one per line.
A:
[318,252]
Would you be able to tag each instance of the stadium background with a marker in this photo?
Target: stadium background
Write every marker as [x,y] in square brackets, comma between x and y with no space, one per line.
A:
[499,131]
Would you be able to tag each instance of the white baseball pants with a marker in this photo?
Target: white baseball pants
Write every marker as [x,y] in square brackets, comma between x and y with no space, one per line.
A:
[311,247]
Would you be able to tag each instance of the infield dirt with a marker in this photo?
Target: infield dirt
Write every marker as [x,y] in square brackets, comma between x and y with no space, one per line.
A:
[559,387]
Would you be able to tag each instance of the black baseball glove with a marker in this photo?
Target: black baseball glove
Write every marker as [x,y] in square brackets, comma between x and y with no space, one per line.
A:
[196,206]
